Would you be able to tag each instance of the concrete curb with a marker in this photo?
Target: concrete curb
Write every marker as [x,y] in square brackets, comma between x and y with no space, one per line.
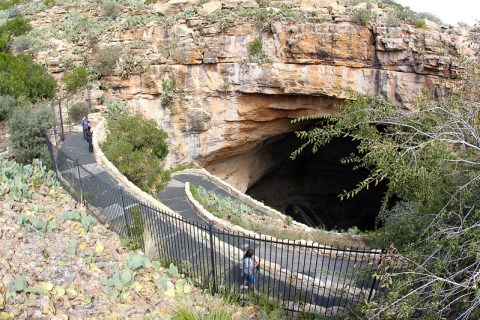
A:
[127,184]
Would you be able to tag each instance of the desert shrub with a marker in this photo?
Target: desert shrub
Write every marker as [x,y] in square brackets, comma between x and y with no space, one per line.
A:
[77,111]
[255,47]
[420,23]
[81,29]
[111,9]
[76,79]
[137,148]
[168,89]
[362,16]
[27,127]
[22,43]
[130,65]
[150,1]
[106,59]
[116,109]
[12,28]
[476,29]
[23,77]
[6,4]
[8,105]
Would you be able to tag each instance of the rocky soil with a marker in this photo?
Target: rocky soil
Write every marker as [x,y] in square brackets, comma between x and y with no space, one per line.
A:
[65,269]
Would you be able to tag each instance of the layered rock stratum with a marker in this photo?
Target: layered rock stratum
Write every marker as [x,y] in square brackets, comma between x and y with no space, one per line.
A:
[242,70]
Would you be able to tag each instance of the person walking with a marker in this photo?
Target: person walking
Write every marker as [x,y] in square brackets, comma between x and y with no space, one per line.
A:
[90,139]
[249,265]
[85,122]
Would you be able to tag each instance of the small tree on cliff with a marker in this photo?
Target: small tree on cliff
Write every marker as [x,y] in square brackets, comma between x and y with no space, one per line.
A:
[429,156]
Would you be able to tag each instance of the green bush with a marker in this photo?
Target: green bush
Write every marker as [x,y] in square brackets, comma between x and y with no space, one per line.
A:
[420,23]
[22,43]
[362,16]
[8,105]
[20,76]
[106,59]
[27,127]
[116,109]
[77,111]
[168,89]
[255,47]
[111,9]
[5,4]
[137,148]
[12,28]
[76,79]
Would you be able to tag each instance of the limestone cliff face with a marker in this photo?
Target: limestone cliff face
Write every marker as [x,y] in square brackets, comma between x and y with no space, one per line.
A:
[229,101]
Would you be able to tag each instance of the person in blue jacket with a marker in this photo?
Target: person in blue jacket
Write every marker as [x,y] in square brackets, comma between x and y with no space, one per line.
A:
[85,122]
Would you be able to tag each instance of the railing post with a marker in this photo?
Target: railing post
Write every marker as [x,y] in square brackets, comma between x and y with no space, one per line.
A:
[80,182]
[62,136]
[374,282]
[54,122]
[212,256]
[127,227]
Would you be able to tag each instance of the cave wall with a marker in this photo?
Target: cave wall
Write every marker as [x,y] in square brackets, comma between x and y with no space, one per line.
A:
[226,105]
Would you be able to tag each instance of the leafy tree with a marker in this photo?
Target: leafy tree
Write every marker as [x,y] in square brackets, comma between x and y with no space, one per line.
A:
[429,156]
[27,127]
[20,76]
[137,148]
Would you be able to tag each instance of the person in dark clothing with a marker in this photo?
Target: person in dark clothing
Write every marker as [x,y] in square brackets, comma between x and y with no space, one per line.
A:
[89,135]
[85,126]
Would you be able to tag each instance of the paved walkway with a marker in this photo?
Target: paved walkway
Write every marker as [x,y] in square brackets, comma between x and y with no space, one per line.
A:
[174,197]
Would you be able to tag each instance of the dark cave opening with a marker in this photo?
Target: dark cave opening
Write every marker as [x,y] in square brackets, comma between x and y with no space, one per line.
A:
[308,187]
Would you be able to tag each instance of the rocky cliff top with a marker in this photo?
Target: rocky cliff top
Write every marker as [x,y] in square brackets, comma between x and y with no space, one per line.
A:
[223,77]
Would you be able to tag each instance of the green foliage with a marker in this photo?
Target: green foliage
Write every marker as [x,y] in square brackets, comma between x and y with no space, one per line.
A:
[22,44]
[72,248]
[220,206]
[81,30]
[77,111]
[186,313]
[475,29]
[27,128]
[116,109]
[12,28]
[111,9]
[33,224]
[8,105]
[49,3]
[76,79]
[17,181]
[20,76]
[106,59]
[137,148]
[137,227]
[6,4]
[420,23]
[168,89]
[428,155]
[131,64]
[255,47]
[362,16]
[256,53]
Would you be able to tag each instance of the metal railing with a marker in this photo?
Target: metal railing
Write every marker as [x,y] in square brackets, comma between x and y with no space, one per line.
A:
[306,278]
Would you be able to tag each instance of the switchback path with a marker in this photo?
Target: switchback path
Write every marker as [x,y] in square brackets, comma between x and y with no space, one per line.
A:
[331,285]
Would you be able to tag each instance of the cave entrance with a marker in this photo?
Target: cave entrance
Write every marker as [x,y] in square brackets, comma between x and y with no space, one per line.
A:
[308,187]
